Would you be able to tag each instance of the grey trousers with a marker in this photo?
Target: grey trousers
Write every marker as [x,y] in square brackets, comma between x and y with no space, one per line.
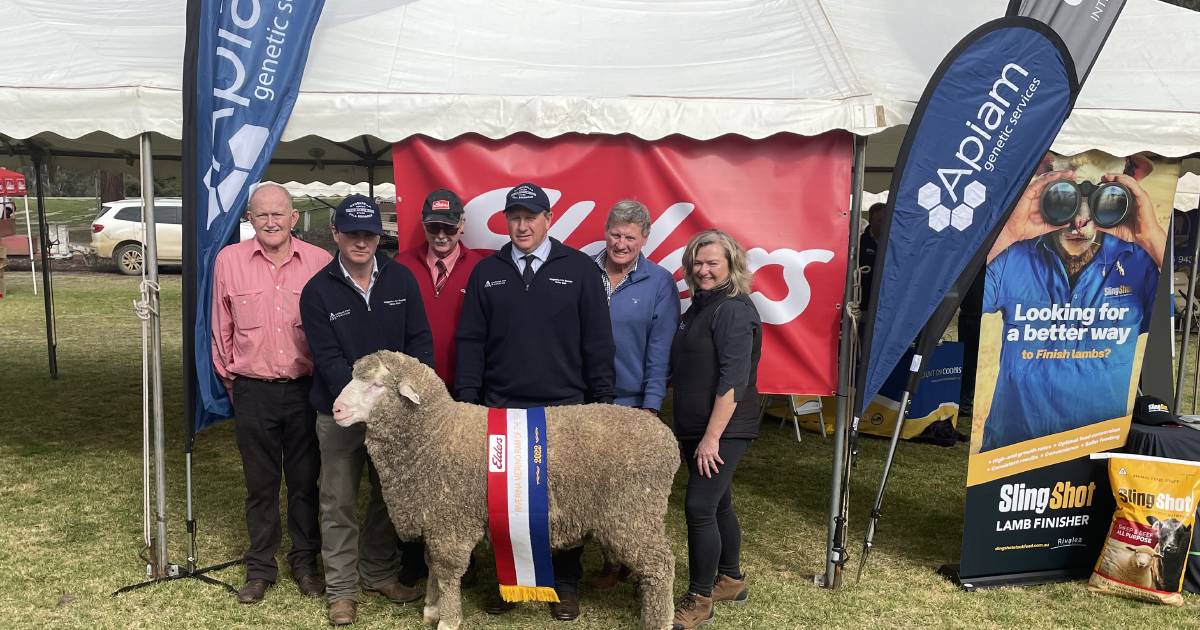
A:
[350,552]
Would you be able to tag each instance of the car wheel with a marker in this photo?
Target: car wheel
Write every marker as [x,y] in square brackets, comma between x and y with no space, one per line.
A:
[129,259]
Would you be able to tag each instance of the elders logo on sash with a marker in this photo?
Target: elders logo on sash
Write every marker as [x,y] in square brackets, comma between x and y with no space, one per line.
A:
[496,454]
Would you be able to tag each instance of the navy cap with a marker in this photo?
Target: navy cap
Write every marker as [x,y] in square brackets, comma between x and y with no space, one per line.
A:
[529,196]
[1152,411]
[358,213]
[442,206]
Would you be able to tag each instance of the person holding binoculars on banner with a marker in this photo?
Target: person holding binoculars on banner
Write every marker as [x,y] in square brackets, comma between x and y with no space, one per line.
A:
[1083,239]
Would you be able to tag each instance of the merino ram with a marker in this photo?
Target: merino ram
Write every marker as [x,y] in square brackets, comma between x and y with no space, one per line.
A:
[610,470]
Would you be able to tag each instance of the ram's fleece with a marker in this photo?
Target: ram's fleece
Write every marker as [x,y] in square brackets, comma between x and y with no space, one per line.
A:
[610,471]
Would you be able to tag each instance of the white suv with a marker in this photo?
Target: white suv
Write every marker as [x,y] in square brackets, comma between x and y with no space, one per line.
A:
[117,233]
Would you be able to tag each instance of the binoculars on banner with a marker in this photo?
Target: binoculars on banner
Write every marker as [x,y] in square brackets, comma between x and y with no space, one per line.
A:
[1109,202]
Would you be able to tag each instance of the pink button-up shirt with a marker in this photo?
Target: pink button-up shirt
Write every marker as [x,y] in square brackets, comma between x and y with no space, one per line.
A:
[256,328]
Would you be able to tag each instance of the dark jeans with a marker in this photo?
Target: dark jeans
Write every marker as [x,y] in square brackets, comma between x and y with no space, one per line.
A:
[277,438]
[568,569]
[714,534]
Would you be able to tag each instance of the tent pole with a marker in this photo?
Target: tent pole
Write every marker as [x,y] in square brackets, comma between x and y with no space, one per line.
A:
[161,569]
[29,239]
[150,263]
[835,545]
[47,281]
[1187,328]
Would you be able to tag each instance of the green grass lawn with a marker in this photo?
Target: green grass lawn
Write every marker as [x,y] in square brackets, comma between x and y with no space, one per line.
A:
[70,510]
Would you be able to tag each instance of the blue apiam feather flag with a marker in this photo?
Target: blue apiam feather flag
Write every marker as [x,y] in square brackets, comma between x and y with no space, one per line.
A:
[988,116]
[242,72]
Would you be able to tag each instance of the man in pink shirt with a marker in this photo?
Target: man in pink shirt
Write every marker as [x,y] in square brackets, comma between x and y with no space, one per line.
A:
[260,352]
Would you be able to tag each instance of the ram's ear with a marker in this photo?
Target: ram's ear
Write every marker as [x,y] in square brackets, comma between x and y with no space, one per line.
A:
[408,392]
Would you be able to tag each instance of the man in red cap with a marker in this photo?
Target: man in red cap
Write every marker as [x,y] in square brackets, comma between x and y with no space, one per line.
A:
[441,266]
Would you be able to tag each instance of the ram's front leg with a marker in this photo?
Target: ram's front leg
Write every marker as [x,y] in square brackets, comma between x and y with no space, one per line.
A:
[432,614]
[448,559]
[449,606]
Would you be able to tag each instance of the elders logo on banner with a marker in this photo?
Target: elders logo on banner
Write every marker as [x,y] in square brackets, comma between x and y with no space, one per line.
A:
[784,199]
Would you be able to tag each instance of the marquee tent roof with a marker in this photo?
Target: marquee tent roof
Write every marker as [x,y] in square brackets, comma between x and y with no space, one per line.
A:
[89,77]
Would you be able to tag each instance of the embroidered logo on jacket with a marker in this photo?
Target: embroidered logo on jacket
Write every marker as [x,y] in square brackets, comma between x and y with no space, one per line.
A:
[563,281]
[395,302]
[491,283]
[338,315]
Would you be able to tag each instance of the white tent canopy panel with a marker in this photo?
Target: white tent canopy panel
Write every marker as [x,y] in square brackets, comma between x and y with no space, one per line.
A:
[85,78]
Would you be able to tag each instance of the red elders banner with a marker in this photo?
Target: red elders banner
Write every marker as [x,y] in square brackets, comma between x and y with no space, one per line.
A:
[784,199]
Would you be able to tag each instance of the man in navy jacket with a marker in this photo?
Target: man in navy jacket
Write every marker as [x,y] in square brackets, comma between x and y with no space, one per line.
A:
[535,332]
[361,302]
[535,328]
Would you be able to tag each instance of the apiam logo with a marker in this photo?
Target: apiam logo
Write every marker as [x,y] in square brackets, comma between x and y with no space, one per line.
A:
[929,197]
[995,123]
[245,145]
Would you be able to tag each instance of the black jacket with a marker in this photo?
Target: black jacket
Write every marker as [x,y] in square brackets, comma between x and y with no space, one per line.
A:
[716,348]
[548,344]
[342,328]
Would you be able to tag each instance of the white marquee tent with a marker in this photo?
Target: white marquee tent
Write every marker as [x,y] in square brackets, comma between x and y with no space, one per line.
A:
[84,79]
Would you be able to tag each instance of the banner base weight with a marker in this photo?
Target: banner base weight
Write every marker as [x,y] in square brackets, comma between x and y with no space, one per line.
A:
[1031,578]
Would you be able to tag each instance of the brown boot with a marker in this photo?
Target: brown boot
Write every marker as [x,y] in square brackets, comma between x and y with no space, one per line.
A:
[396,592]
[610,576]
[342,612]
[728,589]
[693,611]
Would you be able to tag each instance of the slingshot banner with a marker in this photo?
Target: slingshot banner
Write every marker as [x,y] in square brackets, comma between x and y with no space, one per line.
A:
[984,122]
[242,72]
[1070,287]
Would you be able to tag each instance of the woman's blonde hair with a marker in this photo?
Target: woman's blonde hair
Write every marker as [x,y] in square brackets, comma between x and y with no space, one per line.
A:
[739,271]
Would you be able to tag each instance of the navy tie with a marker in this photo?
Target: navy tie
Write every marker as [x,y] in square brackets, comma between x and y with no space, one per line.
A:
[527,275]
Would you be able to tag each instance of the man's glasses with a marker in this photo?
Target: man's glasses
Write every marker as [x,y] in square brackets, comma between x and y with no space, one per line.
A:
[441,228]
[277,217]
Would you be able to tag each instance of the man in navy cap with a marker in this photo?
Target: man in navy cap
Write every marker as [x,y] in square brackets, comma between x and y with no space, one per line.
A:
[535,332]
[359,303]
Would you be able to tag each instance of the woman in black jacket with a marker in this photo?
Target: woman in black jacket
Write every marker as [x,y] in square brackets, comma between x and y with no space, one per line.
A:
[714,365]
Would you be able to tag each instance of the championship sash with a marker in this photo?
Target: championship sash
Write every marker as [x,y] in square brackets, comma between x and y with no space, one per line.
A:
[519,504]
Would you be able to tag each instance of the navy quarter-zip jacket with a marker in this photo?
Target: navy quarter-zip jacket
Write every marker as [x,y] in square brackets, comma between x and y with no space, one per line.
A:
[342,327]
[546,344]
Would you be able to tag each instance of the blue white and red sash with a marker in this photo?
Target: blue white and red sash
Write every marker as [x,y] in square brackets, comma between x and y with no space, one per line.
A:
[519,504]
